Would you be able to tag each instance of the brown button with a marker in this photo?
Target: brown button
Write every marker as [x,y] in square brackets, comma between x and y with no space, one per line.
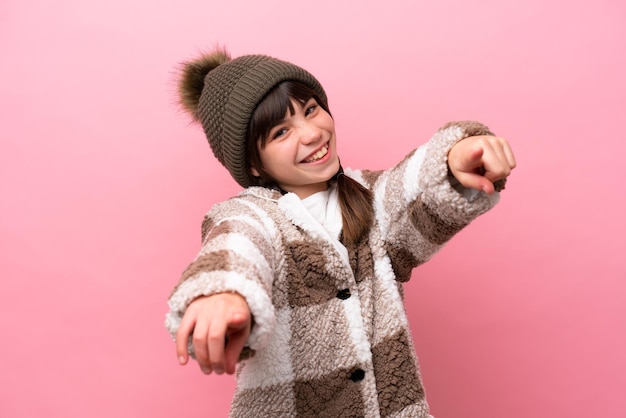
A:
[344,294]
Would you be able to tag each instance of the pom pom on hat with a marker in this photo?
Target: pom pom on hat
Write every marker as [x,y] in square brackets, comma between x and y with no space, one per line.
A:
[191,79]
[222,93]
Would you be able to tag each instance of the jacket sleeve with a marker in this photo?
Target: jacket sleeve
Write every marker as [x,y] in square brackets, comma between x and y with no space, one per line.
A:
[236,256]
[420,206]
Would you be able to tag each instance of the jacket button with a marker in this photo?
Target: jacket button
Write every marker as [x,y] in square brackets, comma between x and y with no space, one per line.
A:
[357,375]
[344,294]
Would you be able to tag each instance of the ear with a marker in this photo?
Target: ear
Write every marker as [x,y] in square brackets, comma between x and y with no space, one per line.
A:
[255,172]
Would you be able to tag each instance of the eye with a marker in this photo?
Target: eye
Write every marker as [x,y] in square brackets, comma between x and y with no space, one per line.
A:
[279,132]
[311,108]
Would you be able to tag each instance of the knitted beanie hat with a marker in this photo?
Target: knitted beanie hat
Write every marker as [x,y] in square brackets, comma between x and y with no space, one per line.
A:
[222,93]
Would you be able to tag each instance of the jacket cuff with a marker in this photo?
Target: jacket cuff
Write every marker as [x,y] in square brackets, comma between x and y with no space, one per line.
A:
[460,205]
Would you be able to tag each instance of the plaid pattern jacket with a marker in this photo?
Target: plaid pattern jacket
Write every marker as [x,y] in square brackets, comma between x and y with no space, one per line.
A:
[331,339]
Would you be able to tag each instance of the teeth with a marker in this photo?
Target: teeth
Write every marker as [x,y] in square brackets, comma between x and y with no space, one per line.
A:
[319,154]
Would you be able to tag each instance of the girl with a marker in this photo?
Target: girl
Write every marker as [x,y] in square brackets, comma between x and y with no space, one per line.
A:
[298,283]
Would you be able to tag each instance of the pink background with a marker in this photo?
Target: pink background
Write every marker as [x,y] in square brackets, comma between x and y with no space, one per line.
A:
[104,184]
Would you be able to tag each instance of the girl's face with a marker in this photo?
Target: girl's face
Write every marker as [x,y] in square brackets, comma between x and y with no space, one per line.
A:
[300,151]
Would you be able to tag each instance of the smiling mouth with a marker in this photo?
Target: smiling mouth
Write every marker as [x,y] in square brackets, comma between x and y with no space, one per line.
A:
[318,155]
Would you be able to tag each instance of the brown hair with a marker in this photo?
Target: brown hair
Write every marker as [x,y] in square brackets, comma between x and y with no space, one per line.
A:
[355,201]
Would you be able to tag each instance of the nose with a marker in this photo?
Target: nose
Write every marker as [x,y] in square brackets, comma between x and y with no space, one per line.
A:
[310,133]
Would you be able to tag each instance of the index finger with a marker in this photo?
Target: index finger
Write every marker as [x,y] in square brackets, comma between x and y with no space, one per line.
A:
[217,341]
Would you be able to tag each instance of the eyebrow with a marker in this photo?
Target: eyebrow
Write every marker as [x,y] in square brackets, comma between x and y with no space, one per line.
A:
[289,108]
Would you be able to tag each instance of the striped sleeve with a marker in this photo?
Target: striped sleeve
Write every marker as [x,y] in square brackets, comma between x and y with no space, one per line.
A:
[236,256]
[417,206]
